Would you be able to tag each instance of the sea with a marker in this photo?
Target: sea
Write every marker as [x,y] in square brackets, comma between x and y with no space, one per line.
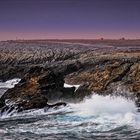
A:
[95,118]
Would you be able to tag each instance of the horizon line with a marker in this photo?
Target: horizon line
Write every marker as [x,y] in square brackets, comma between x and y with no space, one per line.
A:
[43,39]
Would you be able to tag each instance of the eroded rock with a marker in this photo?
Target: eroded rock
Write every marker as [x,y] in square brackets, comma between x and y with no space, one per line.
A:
[97,69]
[38,86]
[100,78]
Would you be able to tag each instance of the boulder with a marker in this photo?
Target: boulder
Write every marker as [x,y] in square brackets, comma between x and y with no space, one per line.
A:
[38,86]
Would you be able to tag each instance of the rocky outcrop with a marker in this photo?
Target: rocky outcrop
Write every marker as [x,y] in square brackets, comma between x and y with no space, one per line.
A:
[98,79]
[116,78]
[38,86]
[42,85]
[17,57]
[43,71]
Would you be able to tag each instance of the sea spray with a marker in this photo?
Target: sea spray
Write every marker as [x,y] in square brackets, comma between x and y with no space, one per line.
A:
[96,117]
[98,104]
[108,111]
[10,83]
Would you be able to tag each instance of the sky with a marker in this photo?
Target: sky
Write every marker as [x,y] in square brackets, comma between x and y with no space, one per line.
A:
[63,19]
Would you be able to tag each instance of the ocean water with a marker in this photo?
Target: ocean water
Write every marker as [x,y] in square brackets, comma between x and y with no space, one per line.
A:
[97,117]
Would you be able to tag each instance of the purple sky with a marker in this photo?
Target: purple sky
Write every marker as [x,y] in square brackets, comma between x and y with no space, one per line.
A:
[27,19]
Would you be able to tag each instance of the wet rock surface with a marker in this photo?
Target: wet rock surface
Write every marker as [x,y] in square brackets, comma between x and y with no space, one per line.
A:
[33,91]
[44,66]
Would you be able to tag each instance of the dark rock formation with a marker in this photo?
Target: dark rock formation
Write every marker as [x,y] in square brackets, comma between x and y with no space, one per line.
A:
[45,65]
[37,87]
[104,79]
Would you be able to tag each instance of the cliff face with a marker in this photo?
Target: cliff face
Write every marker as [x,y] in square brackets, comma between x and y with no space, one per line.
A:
[37,87]
[101,70]
[100,78]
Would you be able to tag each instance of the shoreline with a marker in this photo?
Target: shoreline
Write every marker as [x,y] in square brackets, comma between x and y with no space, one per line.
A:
[97,68]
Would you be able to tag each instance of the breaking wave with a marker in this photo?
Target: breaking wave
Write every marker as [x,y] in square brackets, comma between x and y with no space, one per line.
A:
[9,83]
[96,117]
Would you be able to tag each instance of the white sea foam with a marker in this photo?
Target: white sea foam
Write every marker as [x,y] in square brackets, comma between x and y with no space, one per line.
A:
[104,104]
[9,83]
[67,86]
[98,113]
[108,111]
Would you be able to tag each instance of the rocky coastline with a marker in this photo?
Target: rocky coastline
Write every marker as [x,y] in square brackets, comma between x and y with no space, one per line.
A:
[101,67]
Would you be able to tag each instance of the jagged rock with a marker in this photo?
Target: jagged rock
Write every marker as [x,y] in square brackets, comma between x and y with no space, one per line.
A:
[100,78]
[37,87]
[96,69]
[133,78]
